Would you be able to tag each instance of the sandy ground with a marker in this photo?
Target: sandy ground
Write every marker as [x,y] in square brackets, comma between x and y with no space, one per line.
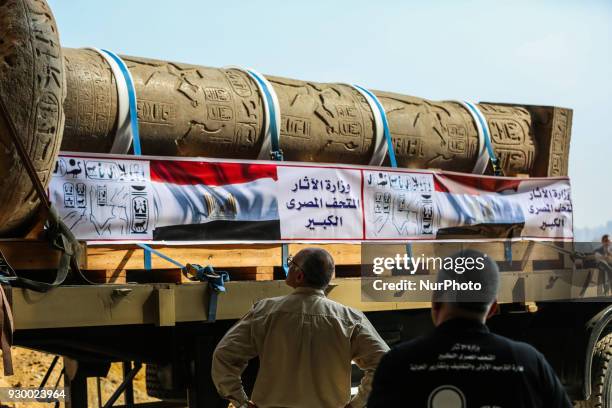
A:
[30,368]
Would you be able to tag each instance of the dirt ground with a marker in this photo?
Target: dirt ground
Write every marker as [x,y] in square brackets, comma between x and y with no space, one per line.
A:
[30,368]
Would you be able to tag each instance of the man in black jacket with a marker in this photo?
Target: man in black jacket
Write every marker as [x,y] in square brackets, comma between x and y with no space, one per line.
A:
[461,364]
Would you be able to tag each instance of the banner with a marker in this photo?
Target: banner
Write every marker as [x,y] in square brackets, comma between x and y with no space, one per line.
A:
[114,198]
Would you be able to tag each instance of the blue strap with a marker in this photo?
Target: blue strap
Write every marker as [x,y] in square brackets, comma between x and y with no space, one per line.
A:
[276,153]
[132,99]
[147,259]
[487,137]
[285,255]
[156,252]
[508,251]
[136,142]
[135,137]
[215,280]
[386,131]
[212,306]
[216,283]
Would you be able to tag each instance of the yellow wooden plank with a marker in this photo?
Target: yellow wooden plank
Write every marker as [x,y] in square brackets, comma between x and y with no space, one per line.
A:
[130,257]
[219,256]
[34,254]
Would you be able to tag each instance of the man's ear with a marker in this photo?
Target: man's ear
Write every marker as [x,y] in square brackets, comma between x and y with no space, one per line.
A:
[299,278]
[492,310]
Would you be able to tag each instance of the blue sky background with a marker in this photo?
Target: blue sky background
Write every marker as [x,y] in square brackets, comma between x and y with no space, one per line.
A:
[544,53]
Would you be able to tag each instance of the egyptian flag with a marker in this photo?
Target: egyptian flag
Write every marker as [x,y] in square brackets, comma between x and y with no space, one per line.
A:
[207,201]
[478,207]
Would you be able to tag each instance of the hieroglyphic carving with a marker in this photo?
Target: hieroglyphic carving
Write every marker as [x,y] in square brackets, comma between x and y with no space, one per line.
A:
[322,122]
[512,136]
[33,89]
[429,134]
[94,104]
[559,148]
[295,127]
[156,112]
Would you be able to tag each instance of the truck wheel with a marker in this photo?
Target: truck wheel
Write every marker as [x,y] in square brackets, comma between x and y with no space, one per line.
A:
[601,388]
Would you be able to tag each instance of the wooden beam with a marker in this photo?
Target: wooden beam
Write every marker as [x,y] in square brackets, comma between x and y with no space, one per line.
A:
[165,307]
[125,257]
[343,254]
[219,256]
[35,254]
[258,273]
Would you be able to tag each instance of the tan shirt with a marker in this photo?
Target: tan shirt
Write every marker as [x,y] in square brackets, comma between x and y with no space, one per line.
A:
[305,343]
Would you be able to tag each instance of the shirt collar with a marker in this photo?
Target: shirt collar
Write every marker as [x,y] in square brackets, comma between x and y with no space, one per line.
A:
[305,290]
[461,324]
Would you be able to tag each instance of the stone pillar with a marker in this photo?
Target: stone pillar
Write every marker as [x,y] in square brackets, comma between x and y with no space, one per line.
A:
[190,110]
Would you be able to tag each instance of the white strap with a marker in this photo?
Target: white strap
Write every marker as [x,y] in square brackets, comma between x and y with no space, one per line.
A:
[123,136]
[380,149]
[265,89]
[483,154]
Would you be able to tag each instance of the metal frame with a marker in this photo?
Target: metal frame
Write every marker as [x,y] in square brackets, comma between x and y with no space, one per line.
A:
[126,387]
[169,304]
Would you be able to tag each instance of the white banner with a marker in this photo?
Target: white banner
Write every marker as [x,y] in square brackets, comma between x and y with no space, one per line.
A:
[319,203]
[115,198]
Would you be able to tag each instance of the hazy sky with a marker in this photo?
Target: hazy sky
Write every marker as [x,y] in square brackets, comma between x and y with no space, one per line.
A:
[545,53]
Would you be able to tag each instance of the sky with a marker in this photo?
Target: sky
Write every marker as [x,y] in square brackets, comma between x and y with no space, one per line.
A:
[542,53]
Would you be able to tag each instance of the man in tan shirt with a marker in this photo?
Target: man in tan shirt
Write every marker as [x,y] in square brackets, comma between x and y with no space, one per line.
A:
[305,343]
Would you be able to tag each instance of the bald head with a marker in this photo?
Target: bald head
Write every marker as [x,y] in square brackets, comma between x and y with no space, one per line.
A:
[317,265]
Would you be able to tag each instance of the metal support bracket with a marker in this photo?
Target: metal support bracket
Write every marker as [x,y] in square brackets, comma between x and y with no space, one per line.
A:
[127,380]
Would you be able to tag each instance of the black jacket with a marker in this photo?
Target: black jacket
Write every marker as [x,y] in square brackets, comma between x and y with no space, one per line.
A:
[462,365]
